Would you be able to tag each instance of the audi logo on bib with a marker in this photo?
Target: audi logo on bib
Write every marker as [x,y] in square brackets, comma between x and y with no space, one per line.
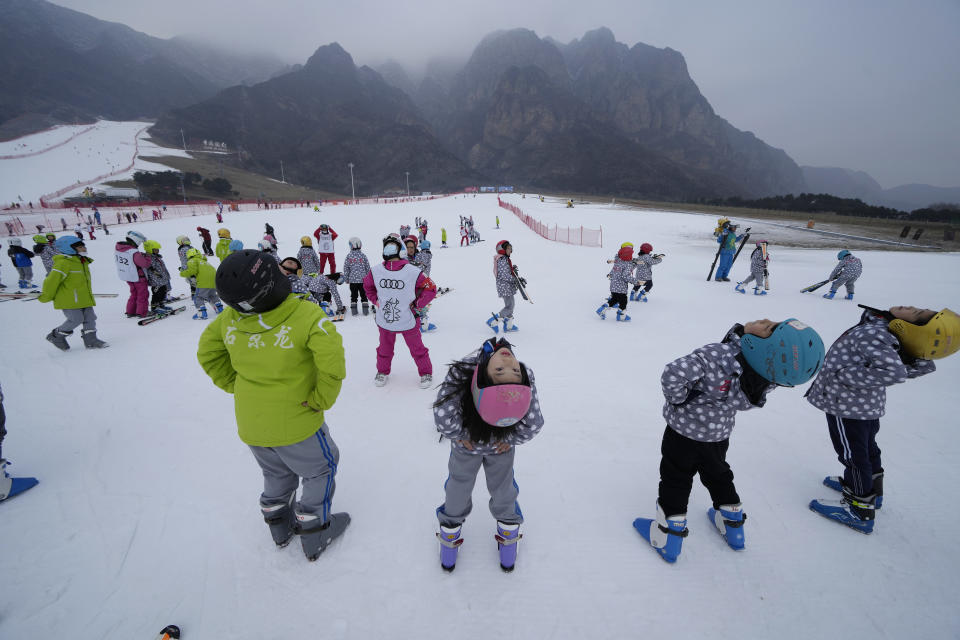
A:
[391,284]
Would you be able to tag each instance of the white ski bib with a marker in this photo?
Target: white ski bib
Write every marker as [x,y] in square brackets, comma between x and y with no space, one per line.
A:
[325,243]
[396,292]
[125,267]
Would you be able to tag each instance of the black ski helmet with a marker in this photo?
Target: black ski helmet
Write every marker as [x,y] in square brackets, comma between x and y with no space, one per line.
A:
[251,282]
[392,247]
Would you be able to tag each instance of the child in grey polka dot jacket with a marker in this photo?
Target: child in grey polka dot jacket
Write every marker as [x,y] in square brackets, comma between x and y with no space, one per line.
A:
[703,392]
[486,406]
[885,348]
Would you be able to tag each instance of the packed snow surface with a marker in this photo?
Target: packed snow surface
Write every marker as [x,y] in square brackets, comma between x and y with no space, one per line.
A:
[146,513]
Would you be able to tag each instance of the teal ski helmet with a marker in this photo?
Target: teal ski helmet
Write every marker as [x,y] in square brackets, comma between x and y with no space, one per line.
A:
[789,357]
[843,254]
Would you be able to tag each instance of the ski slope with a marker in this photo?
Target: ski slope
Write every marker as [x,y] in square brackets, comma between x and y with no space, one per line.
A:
[70,158]
[146,513]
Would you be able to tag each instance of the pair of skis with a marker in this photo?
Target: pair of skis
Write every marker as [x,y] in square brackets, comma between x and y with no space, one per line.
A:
[816,286]
[160,316]
[33,295]
[521,282]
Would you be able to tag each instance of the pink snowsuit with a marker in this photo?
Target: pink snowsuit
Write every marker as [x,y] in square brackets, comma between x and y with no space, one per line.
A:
[426,292]
[139,301]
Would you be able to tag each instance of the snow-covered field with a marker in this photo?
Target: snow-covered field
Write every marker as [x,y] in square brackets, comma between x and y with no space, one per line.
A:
[74,156]
[147,514]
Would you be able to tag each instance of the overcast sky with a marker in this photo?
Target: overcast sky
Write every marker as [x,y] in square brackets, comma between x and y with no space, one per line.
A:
[872,85]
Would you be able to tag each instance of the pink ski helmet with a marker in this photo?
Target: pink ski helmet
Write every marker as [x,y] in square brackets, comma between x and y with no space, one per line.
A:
[499,405]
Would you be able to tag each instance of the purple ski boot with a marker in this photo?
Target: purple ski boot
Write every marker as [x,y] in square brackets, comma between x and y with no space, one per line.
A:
[450,542]
[508,535]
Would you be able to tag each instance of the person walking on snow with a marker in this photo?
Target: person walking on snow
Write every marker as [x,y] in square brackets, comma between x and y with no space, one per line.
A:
[486,406]
[22,260]
[885,348]
[845,273]
[69,287]
[398,291]
[325,237]
[43,248]
[506,281]
[183,249]
[207,241]
[645,263]
[703,392]
[759,260]
[132,268]
[727,238]
[199,271]
[356,266]
[223,244]
[621,277]
[284,364]
[307,257]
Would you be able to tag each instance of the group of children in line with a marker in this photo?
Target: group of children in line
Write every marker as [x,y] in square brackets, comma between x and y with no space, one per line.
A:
[627,271]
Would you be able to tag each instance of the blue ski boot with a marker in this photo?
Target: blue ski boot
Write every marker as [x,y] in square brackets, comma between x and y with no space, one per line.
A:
[829,296]
[494,322]
[836,483]
[201,314]
[664,534]
[729,522]
[508,535]
[849,296]
[856,512]
[739,287]
[757,291]
[450,542]
[9,486]
[622,316]
[602,311]
[509,326]
[219,307]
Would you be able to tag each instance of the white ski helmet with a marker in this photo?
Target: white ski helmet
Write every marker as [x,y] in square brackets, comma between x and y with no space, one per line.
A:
[355,243]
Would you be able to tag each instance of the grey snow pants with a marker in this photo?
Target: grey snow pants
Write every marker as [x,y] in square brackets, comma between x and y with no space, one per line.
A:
[847,282]
[206,295]
[76,317]
[25,273]
[314,461]
[463,468]
[508,305]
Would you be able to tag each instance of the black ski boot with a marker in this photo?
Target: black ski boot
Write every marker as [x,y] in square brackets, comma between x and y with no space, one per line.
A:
[91,341]
[59,339]
[353,309]
[316,537]
[366,308]
[280,518]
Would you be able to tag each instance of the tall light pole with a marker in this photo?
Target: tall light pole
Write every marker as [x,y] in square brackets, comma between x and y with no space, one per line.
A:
[353,191]
[283,178]
[408,183]
[184,140]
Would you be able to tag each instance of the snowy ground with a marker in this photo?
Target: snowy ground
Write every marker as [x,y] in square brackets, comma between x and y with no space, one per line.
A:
[147,512]
[73,156]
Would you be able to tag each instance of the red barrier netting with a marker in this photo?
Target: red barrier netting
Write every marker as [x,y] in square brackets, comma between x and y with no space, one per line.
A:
[569,235]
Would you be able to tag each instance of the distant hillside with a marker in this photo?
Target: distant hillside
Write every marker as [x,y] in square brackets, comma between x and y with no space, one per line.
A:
[62,65]
[847,183]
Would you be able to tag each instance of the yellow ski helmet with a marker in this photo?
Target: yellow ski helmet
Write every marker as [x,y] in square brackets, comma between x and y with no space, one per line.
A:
[938,338]
[223,233]
[626,244]
[183,240]
[151,246]
[306,241]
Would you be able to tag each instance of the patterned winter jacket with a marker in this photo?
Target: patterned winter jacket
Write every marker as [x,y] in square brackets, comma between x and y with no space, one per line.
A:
[644,264]
[757,263]
[621,276]
[355,266]
[848,270]
[858,368]
[449,417]
[157,274]
[298,286]
[308,260]
[703,390]
[506,283]
[321,284]
[46,256]
[424,260]
[182,254]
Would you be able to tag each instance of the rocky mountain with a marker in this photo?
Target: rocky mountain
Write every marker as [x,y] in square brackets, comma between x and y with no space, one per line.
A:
[63,65]
[318,119]
[619,104]
[848,183]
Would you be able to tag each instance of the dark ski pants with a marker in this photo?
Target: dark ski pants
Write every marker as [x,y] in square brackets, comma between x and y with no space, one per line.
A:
[3,427]
[312,461]
[356,289]
[682,458]
[726,261]
[159,295]
[618,299]
[855,442]
[463,468]
[207,249]
[646,285]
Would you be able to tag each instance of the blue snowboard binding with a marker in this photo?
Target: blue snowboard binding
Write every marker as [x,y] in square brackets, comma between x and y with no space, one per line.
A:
[729,522]
[9,486]
[664,534]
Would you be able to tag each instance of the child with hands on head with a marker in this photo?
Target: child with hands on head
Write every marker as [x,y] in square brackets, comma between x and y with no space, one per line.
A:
[486,406]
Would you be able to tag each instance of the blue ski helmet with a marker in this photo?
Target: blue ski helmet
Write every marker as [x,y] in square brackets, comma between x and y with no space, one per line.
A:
[65,244]
[235,245]
[789,357]
[843,254]
[425,245]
